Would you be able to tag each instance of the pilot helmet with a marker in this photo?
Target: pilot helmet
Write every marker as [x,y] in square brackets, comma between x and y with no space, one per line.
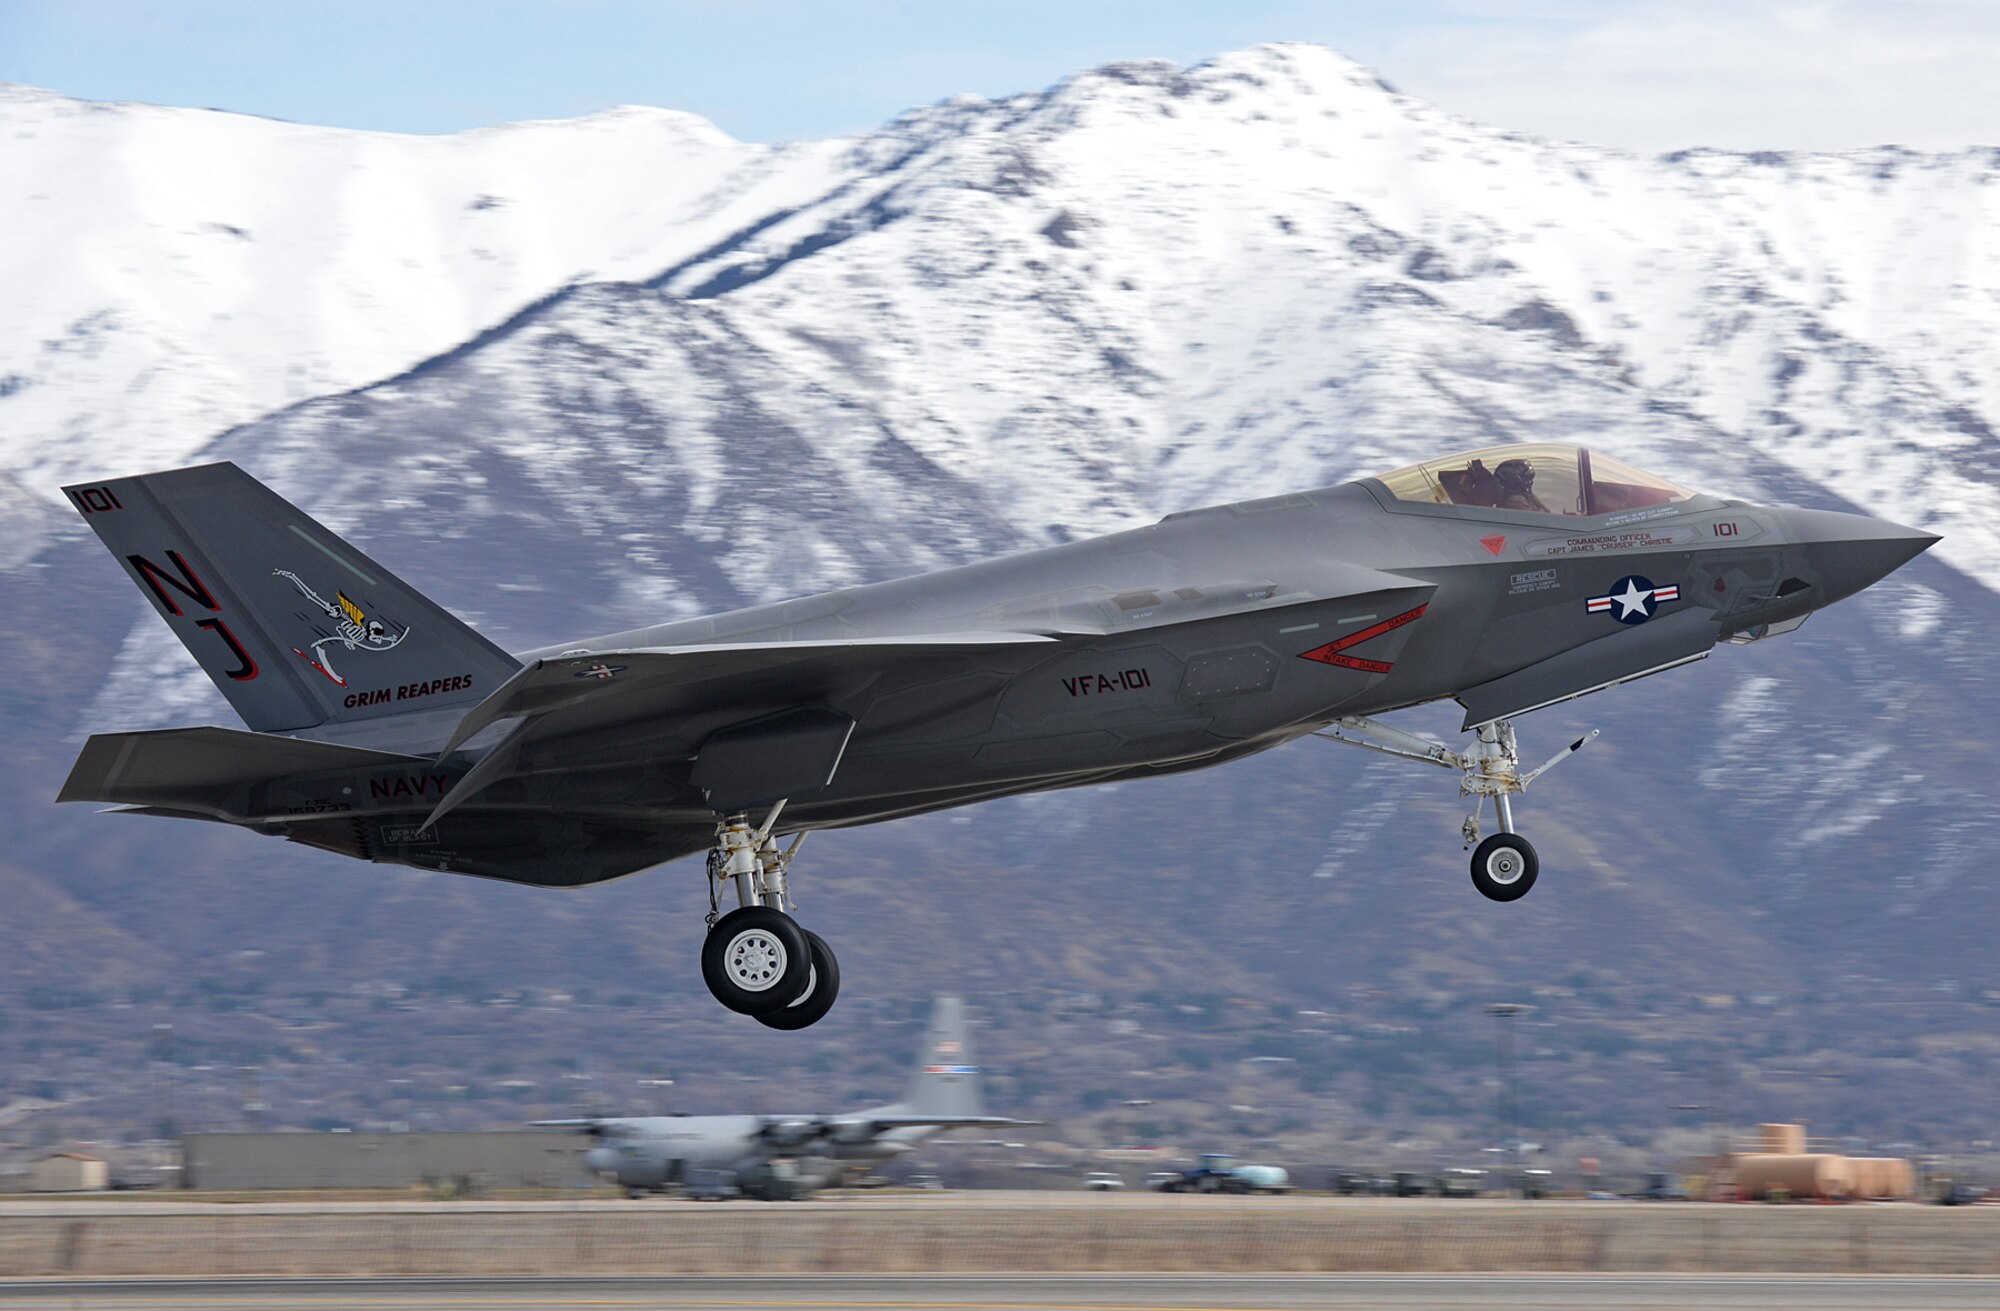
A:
[1515,474]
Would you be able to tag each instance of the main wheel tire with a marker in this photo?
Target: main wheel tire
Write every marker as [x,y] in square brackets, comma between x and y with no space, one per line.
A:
[755,960]
[1504,867]
[822,986]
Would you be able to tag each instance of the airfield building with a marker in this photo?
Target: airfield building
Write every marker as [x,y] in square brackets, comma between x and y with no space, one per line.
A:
[71,1172]
[383,1160]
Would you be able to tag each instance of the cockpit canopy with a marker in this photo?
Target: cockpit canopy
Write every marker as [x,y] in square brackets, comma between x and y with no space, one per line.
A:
[1533,478]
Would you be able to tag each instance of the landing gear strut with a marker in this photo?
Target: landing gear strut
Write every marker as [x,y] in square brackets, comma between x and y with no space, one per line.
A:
[1504,866]
[756,959]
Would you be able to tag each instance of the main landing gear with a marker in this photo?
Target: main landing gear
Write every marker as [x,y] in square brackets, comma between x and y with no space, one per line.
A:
[1504,866]
[756,959]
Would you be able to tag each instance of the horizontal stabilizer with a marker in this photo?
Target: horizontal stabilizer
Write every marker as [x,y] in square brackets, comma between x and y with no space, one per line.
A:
[192,768]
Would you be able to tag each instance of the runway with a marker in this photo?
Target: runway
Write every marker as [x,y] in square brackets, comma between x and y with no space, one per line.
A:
[1176,1292]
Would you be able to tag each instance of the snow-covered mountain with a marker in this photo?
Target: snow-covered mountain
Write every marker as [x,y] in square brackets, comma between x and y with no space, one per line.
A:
[662,373]
[171,273]
[1143,289]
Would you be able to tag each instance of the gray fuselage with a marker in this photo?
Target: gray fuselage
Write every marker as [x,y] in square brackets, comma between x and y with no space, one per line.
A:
[1206,637]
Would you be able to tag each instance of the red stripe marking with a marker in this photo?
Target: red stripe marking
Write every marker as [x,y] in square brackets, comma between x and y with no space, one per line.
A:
[1330,654]
[1376,630]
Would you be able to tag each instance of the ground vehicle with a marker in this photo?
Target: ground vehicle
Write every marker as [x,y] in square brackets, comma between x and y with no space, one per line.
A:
[781,1180]
[710,1186]
[1217,1173]
[1415,1183]
[1102,1181]
[1461,1182]
[1663,1186]
[1352,1183]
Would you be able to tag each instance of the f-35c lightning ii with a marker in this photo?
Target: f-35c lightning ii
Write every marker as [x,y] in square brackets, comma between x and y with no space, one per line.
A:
[385,729]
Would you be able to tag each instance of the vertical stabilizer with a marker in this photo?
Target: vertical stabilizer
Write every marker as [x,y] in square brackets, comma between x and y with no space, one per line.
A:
[946,1080]
[295,626]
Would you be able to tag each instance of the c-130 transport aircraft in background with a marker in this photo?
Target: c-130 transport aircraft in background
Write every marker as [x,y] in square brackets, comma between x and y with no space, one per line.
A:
[654,1153]
[383,728]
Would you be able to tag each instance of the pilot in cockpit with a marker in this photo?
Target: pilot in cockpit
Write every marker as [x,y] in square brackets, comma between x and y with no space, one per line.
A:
[1551,478]
[1510,485]
[1517,487]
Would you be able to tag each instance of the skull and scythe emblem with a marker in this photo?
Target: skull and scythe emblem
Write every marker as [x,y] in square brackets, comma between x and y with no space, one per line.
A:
[352,628]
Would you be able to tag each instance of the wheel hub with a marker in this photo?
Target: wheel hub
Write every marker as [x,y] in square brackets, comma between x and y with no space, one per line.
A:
[1504,866]
[756,960]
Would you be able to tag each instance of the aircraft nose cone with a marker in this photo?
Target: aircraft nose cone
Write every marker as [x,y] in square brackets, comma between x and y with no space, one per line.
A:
[1852,551]
[598,1160]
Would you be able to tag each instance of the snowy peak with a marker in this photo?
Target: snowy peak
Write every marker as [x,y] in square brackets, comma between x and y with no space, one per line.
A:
[1277,246]
[1145,288]
[41,101]
[676,124]
[173,273]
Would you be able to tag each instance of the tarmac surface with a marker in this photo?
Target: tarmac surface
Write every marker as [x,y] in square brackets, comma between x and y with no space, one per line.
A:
[1179,1292]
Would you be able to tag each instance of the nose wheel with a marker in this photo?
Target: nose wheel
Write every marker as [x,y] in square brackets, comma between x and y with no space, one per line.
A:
[756,959]
[1504,867]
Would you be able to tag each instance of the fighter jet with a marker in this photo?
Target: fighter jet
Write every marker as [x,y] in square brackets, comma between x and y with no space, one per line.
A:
[385,729]
[656,1152]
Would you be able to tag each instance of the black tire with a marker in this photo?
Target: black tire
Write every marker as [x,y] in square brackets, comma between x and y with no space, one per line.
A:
[822,987]
[755,960]
[1504,867]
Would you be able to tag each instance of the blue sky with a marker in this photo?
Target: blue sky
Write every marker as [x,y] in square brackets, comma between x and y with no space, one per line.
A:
[1644,74]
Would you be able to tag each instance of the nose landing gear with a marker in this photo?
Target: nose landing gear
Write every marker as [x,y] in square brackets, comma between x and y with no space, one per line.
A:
[1505,865]
[756,959]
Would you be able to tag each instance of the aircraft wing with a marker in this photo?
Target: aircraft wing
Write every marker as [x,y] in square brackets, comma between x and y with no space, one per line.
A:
[550,686]
[755,709]
[882,1123]
[784,1133]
